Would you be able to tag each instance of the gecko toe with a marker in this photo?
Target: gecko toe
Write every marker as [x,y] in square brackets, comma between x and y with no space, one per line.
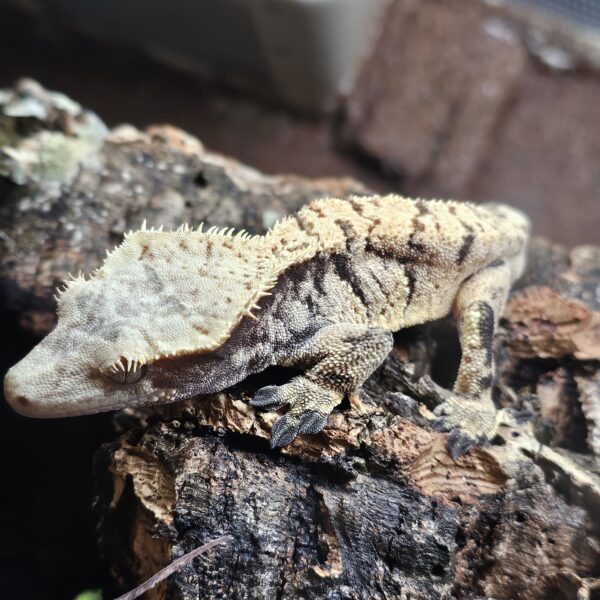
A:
[441,424]
[311,422]
[268,398]
[286,428]
[284,431]
[460,441]
[441,409]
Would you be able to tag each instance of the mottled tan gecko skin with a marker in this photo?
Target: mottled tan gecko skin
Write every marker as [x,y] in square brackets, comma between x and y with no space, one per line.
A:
[171,315]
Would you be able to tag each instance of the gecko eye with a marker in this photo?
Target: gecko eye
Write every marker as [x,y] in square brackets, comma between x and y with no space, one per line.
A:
[126,371]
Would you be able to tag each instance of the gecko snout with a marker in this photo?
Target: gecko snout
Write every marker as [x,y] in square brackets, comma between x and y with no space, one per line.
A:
[15,395]
[20,395]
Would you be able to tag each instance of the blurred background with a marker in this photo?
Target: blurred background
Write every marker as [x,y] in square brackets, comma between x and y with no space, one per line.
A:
[470,99]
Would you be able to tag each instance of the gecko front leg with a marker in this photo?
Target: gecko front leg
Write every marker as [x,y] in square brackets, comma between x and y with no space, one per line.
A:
[470,415]
[339,359]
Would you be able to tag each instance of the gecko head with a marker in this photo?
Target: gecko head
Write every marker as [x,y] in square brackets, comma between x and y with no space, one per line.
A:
[84,370]
[145,328]
[70,372]
[96,358]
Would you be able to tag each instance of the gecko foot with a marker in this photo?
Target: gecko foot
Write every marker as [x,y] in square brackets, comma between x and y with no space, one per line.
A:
[309,402]
[469,422]
[286,428]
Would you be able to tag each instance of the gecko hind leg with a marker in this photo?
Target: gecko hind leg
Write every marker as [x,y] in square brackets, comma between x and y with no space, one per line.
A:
[469,415]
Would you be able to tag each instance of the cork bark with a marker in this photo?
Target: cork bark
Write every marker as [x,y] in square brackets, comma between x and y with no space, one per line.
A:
[372,507]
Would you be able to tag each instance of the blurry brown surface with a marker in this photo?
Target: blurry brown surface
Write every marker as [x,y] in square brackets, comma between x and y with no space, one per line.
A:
[451,104]
[546,157]
[456,104]
[432,95]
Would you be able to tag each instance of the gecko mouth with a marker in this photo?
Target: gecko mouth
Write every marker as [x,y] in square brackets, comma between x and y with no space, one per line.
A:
[49,410]
[22,397]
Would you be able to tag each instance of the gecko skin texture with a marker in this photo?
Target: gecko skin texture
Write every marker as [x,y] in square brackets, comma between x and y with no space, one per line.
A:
[171,315]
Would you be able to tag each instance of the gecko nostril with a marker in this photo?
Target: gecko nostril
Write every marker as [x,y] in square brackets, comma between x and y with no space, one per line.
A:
[22,400]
